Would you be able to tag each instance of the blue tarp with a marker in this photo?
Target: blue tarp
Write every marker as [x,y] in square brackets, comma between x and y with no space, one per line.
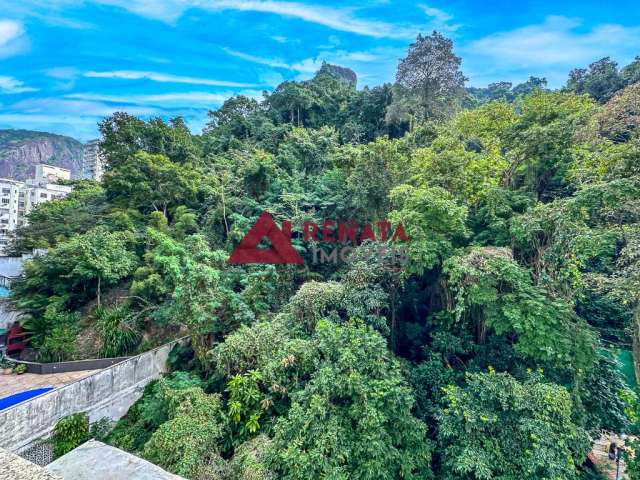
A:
[16,398]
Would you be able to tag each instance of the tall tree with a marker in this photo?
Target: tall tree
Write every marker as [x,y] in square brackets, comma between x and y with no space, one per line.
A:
[602,80]
[124,135]
[353,419]
[151,182]
[431,73]
[631,73]
[498,428]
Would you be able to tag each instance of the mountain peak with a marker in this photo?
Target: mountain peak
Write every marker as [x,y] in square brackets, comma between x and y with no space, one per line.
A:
[22,150]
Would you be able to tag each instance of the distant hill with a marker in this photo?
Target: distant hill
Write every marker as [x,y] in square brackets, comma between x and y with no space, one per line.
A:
[21,150]
[343,74]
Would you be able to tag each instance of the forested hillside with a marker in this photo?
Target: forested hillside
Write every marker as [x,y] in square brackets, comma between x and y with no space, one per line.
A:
[22,150]
[490,354]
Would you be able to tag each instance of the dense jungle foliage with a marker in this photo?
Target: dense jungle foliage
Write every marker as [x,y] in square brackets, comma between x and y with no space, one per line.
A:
[491,355]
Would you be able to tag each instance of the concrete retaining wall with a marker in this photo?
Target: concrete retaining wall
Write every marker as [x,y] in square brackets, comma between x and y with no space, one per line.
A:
[107,393]
[73,366]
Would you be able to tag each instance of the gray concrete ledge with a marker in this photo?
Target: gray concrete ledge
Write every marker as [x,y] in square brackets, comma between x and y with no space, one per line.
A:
[95,460]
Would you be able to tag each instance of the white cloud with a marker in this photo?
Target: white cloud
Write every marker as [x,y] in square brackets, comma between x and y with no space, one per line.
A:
[62,73]
[357,57]
[436,13]
[163,78]
[9,30]
[374,64]
[271,62]
[12,38]
[79,117]
[312,65]
[555,42]
[340,19]
[271,78]
[308,65]
[75,108]
[81,128]
[441,20]
[197,99]
[10,85]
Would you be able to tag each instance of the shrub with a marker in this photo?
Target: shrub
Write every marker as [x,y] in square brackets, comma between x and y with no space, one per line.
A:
[494,416]
[60,345]
[41,326]
[100,429]
[187,443]
[248,463]
[20,369]
[149,412]
[69,433]
[118,333]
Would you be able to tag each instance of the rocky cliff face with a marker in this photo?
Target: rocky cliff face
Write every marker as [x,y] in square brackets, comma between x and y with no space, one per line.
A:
[22,150]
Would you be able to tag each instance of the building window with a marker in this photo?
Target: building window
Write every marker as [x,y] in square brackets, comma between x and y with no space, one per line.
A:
[43,195]
[4,220]
[5,201]
[6,191]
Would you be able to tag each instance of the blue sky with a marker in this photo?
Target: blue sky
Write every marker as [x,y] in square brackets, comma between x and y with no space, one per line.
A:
[65,64]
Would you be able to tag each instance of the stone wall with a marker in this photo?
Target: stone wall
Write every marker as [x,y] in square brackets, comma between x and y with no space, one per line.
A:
[107,393]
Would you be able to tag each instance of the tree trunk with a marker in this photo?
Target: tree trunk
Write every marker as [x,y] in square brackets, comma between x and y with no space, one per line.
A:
[98,290]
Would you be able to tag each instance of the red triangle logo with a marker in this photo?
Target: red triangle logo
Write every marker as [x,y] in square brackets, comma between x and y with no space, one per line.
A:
[281,250]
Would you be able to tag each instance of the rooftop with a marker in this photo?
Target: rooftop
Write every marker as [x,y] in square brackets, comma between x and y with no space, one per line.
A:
[95,460]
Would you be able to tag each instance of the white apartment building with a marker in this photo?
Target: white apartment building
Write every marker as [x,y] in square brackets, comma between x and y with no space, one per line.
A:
[49,173]
[17,199]
[93,162]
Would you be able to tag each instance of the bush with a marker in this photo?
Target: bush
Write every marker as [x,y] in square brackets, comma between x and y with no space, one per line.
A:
[60,345]
[149,412]
[118,332]
[70,432]
[100,429]
[187,442]
[41,326]
[248,463]
[498,427]
[20,369]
